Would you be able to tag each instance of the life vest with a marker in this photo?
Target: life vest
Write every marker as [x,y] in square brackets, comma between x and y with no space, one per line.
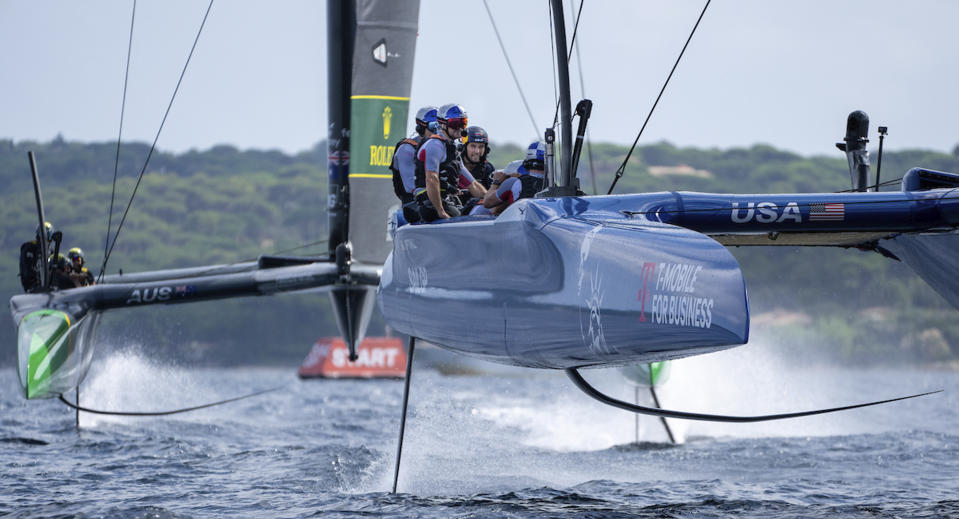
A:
[531,186]
[483,173]
[449,171]
[86,277]
[60,280]
[398,186]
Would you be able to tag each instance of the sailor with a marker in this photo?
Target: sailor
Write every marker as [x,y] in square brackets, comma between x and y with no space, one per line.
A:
[440,173]
[475,153]
[80,274]
[496,198]
[518,180]
[403,164]
[61,276]
[30,254]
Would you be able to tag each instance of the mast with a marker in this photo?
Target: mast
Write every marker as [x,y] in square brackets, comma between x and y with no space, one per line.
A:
[340,29]
[566,184]
[41,229]
[371,45]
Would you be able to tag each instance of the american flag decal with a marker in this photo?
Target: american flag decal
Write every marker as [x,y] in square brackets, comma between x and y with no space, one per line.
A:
[831,212]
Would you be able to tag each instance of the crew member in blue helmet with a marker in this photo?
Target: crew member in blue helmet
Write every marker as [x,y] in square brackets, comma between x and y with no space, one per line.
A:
[440,174]
[403,164]
[518,180]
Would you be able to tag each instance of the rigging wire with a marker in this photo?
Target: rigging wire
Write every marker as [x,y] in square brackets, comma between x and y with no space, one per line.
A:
[218,268]
[877,186]
[511,71]
[582,90]
[165,413]
[298,247]
[116,162]
[622,167]
[155,139]
[214,270]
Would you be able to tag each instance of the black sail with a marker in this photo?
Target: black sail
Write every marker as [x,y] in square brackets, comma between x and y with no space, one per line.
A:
[383,52]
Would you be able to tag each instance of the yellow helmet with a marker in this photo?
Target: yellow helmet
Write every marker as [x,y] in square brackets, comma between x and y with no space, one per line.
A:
[49,230]
[75,254]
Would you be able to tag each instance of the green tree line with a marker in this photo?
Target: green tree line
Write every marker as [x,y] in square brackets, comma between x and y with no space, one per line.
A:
[225,205]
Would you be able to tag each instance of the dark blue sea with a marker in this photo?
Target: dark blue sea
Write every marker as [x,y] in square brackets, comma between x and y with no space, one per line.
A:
[501,443]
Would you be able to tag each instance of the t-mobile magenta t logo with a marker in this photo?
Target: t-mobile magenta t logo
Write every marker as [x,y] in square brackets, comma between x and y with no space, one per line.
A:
[647,272]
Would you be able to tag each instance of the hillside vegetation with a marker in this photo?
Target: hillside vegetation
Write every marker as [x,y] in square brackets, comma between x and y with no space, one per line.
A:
[225,205]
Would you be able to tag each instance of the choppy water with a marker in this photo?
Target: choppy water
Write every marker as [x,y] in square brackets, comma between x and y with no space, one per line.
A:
[516,443]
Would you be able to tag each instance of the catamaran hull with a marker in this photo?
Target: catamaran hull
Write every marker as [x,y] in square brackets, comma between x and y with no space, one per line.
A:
[56,329]
[628,279]
[54,351]
[537,290]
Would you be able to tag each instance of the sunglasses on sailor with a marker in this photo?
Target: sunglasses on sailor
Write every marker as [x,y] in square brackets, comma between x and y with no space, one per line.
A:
[457,124]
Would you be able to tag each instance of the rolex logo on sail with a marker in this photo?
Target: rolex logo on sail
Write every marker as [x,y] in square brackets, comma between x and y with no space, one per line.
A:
[387,115]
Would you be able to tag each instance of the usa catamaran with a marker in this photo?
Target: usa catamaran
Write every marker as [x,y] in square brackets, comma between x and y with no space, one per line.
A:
[583,281]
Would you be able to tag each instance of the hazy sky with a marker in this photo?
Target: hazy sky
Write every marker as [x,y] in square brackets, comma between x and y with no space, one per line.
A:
[784,73]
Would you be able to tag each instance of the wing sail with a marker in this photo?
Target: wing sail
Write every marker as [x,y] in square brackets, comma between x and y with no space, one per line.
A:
[383,52]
